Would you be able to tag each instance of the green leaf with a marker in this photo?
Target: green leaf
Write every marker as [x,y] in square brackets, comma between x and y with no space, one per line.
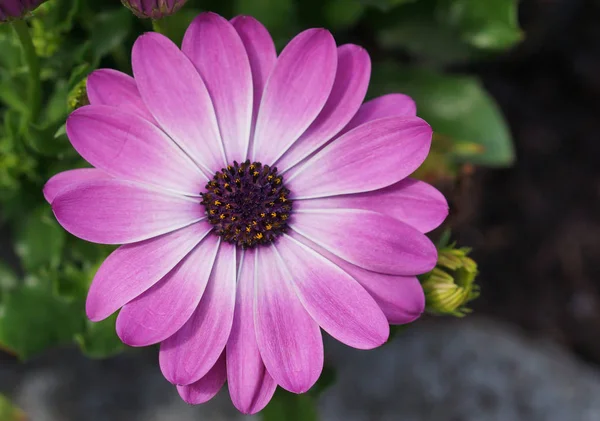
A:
[457,107]
[99,339]
[8,412]
[490,24]
[109,30]
[8,278]
[33,319]
[385,5]
[174,26]
[277,15]
[39,240]
[290,407]
[343,13]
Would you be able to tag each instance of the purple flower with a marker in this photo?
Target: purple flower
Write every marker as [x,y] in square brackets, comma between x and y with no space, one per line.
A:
[16,9]
[154,9]
[258,202]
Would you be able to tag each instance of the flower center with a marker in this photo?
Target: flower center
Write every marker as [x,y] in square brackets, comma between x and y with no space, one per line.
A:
[248,204]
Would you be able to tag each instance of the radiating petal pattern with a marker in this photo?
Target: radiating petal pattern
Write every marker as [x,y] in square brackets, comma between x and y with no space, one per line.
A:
[207,387]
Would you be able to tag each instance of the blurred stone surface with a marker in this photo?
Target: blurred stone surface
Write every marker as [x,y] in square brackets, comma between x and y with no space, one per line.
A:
[442,370]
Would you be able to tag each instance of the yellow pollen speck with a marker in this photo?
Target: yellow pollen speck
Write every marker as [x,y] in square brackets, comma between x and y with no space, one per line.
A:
[255,173]
[273,214]
[252,166]
[222,216]
[212,211]
[258,236]
[272,203]
[268,227]
[233,218]
[270,177]
[237,231]
[273,190]
[284,217]
[217,203]
[248,228]
[237,181]
[254,223]
[228,206]
[226,185]
[229,167]
[262,215]
[277,180]
[282,198]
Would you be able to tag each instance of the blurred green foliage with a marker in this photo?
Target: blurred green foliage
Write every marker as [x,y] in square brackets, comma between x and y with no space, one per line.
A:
[414,45]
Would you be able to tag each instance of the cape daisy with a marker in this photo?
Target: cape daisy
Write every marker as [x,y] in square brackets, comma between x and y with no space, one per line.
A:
[257,200]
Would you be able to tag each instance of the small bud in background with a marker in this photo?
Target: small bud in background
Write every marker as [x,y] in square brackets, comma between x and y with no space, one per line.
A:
[16,9]
[78,96]
[154,9]
[451,284]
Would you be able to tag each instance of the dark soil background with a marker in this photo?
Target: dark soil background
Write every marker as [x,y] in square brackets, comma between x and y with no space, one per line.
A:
[535,228]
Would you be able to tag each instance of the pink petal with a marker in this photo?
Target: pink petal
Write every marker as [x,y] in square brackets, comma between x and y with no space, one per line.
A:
[411,201]
[129,147]
[262,55]
[189,354]
[250,385]
[289,340]
[217,51]
[401,298]
[348,92]
[295,93]
[336,301]
[391,105]
[374,155]
[132,269]
[177,97]
[367,239]
[71,179]
[114,88]
[113,211]
[164,308]
[207,387]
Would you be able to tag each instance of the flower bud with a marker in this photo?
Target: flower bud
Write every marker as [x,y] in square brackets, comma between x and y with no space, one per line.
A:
[451,284]
[16,9]
[154,9]
[78,96]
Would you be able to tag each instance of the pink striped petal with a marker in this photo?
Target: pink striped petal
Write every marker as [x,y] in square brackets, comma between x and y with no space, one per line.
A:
[217,51]
[295,92]
[119,212]
[164,308]
[189,354]
[289,340]
[401,298]
[177,97]
[411,201]
[372,156]
[132,269]
[262,55]
[367,239]
[118,90]
[250,385]
[71,179]
[129,147]
[336,301]
[207,387]
[349,89]
[391,105]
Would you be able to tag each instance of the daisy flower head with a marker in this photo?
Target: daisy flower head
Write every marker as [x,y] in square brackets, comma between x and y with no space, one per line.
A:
[257,201]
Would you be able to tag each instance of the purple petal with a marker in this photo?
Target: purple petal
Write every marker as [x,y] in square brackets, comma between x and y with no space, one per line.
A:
[129,147]
[118,90]
[132,269]
[336,301]
[372,156]
[401,298]
[367,239]
[189,354]
[391,105]
[348,92]
[289,340]
[262,55]
[71,179]
[177,97]
[217,51]
[207,387]
[250,385]
[164,308]
[411,201]
[113,211]
[295,93]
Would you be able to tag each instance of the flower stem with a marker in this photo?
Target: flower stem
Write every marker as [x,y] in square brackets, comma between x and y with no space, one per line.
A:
[33,64]
[157,27]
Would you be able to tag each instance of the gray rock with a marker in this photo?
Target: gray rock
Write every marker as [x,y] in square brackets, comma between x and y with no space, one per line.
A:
[440,370]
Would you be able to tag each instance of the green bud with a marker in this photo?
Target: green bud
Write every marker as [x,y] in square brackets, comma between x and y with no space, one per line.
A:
[451,284]
[78,96]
